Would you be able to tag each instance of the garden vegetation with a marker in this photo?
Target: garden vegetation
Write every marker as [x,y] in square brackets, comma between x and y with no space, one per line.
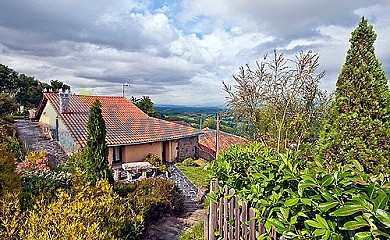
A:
[39,201]
[341,193]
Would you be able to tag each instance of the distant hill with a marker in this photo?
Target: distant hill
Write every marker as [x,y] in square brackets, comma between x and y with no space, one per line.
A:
[170,110]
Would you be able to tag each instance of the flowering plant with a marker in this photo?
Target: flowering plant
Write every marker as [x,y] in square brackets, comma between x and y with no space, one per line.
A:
[34,161]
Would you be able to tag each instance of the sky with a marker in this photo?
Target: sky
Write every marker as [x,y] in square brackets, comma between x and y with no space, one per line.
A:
[177,52]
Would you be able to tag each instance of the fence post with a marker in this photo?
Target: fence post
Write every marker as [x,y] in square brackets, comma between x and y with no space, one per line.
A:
[220,216]
[273,233]
[213,212]
[243,221]
[237,218]
[252,226]
[225,216]
[231,215]
[206,227]
[225,211]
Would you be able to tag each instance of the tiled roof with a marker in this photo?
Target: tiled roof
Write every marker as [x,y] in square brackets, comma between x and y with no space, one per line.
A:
[208,137]
[125,123]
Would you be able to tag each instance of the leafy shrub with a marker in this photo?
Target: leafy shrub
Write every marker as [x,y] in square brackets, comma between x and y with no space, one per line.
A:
[45,182]
[76,161]
[9,179]
[157,162]
[37,178]
[307,201]
[151,197]
[84,212]
[11,143]
[8,137]
[8,104]
[189,162]
[11,216]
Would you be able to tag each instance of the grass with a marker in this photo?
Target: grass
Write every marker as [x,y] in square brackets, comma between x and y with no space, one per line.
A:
[195,233]
[197,175]
[201,162]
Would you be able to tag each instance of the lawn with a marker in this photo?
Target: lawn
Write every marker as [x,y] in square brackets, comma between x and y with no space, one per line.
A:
[194,170]
[196,232]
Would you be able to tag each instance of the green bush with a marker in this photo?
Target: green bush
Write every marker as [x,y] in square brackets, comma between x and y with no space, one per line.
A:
[9,180]
[151,197]
[306,201]
[157,162]
[8,104]
[84,212]
[44,182]
[76,161]
[11,216]
[189,162]
[8,137]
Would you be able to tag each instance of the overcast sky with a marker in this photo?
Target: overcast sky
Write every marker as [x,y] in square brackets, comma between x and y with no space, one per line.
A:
[177,52]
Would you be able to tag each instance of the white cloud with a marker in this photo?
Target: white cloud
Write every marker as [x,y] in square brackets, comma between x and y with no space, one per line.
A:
[177,53]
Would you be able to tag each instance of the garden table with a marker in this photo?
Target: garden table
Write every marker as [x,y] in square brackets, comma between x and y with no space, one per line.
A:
[136,167]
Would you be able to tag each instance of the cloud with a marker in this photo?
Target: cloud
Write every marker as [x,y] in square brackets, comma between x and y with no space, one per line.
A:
[283,19]
[176,51]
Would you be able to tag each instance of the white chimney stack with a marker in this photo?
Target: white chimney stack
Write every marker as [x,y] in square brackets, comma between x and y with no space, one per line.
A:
[64,101]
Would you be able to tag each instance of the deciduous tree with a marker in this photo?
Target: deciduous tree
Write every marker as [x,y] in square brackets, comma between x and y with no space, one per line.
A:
[146,105]
[7,104]
[282,102]
[29,91]
[8,77]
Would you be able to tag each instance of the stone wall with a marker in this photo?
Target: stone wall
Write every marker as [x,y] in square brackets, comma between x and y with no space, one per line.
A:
[187,148]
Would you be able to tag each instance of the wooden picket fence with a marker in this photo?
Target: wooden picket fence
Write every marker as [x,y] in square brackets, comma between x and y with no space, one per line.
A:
[230,219]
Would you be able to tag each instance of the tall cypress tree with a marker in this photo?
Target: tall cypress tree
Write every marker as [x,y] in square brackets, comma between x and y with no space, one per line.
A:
[96,155]
[357,125]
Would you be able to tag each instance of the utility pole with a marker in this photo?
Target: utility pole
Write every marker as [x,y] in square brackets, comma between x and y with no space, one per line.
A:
[217,137]
[200,123]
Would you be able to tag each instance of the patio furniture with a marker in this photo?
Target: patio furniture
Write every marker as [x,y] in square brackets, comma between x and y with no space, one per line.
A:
[138,167]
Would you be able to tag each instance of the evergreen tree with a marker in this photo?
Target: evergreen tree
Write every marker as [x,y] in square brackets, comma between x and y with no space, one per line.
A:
[357,125]
[96,154]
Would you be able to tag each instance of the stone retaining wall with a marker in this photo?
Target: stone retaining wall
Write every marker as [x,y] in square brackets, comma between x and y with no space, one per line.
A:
[187,148]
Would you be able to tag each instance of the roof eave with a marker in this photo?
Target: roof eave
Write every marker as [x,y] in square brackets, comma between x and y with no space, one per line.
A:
[153,141]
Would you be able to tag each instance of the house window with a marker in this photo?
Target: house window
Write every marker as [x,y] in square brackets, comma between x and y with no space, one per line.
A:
[117,154]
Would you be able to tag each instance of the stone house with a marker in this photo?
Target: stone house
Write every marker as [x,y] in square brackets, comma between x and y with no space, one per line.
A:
[131,134]
[207,142]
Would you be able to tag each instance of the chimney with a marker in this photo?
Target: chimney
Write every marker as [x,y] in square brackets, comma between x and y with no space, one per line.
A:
[64,101]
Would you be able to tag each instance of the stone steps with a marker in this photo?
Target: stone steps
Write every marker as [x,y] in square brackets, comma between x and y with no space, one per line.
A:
[169,228]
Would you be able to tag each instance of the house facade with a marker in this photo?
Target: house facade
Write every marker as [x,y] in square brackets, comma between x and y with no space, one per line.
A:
[131,134]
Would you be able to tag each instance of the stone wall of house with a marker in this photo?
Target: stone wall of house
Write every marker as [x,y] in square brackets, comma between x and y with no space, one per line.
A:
[187,148]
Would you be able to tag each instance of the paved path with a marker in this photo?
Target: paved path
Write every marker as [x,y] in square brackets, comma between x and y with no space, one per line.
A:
[183,183]
[170,227]
[32,138]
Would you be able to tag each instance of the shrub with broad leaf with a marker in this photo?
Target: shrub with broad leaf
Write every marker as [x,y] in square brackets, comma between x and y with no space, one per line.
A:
[307,200]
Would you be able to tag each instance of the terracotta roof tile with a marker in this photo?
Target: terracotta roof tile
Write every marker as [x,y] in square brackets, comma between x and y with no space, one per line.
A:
[208,137]
[125,123]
